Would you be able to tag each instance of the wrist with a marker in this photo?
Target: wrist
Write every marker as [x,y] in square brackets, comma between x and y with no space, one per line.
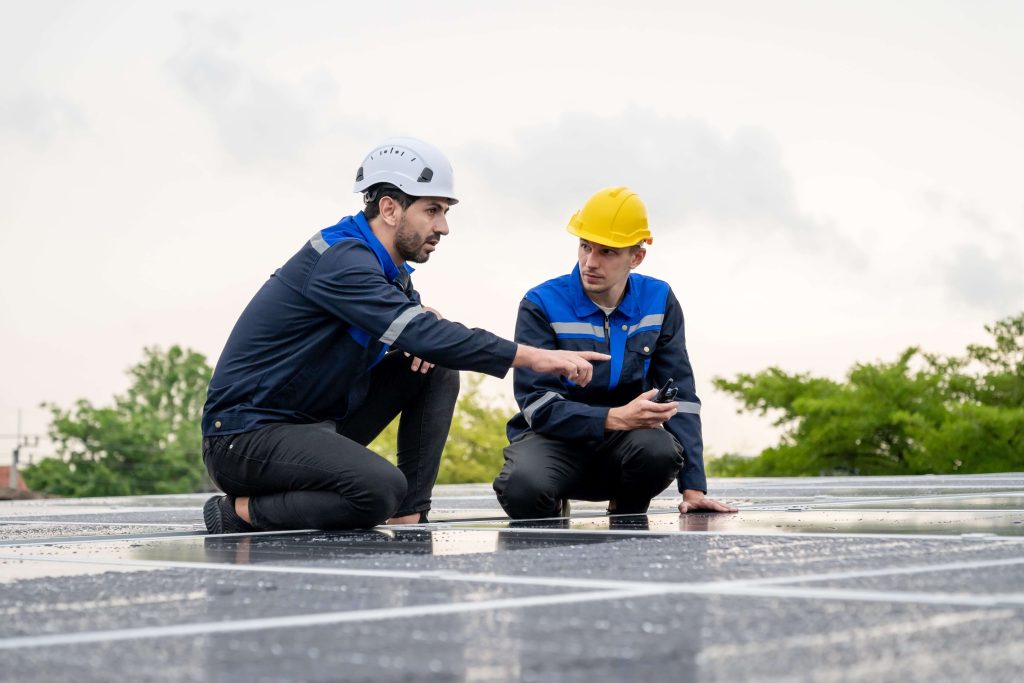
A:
[524,356]
[613,422]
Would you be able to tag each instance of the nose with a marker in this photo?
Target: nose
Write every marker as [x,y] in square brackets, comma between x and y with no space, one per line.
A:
[441,226]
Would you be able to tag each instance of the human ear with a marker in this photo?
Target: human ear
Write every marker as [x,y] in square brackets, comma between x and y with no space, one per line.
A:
[390,210]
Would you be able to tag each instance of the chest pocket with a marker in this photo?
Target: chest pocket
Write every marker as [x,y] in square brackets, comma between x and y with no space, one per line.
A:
[582,344]
[639,349]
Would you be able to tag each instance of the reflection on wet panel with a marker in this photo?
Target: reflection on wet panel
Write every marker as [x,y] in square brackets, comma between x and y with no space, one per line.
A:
[847,522]
[999,501]
[799,519]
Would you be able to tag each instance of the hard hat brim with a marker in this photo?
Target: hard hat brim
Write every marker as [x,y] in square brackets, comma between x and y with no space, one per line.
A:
[604,240]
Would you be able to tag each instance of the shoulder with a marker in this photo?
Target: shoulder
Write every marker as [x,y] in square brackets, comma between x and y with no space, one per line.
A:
[346,252]
[650,290]
[558,289]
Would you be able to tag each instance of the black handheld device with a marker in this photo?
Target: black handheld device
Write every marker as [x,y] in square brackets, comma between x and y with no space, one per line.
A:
[667,393]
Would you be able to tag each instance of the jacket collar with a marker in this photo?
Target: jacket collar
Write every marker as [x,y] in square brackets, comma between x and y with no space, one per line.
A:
[583,306]
[364,232]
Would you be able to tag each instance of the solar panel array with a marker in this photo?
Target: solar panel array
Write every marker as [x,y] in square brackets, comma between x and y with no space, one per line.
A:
[815,579]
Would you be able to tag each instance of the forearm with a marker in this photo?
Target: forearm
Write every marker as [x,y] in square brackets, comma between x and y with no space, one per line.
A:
[525,356]
[454,346]
[570,421]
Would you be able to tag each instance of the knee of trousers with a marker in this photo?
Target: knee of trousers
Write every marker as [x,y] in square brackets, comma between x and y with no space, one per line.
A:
[656,448]
[445,380]
[524,494]
[378,501]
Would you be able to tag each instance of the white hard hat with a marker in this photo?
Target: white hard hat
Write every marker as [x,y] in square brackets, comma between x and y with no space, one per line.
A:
[415,167]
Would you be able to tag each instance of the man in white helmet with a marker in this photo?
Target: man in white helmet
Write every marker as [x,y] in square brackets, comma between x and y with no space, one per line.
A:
[319,363]
[609,440]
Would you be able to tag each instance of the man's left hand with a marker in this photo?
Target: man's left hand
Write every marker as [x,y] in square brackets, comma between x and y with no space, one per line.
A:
[696,501]
[418,364]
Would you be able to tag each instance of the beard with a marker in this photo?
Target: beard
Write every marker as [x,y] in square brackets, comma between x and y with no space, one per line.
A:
[409,245]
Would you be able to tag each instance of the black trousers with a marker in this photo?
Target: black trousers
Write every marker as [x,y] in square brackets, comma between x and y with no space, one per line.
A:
[322,476]
[630,467]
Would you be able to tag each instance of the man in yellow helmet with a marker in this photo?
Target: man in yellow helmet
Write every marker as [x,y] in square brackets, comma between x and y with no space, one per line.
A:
[609,440]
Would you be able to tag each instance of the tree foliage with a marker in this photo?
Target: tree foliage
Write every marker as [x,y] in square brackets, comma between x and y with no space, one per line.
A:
[473,452]
[919,414]
[148,441]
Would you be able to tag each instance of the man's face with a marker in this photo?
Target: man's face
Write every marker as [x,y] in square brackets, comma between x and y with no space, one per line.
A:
[604,269]
[420,228]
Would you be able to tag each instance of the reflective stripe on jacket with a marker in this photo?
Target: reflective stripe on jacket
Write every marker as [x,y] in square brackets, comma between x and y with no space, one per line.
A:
[302,349]
[646,341]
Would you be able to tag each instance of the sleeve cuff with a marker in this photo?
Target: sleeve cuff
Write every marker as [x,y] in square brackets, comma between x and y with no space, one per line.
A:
[693,480]
[504,354]
[598,416]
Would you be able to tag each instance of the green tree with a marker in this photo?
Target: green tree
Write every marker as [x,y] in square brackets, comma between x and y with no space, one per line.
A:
[473,451]
[148,441]
[1002,381]
[921,414]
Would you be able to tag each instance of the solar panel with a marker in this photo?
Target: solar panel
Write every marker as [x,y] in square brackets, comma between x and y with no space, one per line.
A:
[816,579]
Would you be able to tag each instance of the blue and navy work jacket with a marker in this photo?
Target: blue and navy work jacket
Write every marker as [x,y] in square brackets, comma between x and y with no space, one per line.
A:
[303,348]
[645,339]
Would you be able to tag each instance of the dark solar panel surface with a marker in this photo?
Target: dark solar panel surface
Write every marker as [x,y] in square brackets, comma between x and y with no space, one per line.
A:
[815,579]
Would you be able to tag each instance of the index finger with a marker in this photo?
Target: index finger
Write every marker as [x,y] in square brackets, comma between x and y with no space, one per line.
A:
[594,355]
[585,375]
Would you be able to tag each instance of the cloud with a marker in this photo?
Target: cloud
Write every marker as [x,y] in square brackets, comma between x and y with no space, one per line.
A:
[961,213]
[984,273]
[981,280]
[256,117]
[40,119]
[683,168]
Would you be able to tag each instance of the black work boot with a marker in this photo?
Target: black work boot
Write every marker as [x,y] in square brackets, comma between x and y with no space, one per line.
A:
[221,518]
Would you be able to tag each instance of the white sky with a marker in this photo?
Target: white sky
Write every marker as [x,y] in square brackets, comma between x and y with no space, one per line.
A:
[827,182]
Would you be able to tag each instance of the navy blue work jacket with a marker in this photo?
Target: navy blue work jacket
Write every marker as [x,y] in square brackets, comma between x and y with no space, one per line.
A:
[645,339]
[303,348]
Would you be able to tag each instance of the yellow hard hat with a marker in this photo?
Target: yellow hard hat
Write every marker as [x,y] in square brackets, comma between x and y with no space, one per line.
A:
[614,217]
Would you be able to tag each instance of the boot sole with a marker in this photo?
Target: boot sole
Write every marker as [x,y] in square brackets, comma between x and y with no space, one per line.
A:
[212,517]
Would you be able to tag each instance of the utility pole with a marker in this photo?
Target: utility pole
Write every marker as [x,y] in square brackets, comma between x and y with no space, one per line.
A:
[19,443]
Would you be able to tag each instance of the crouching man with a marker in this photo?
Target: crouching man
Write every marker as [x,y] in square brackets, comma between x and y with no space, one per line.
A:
[607,440]
[333,347]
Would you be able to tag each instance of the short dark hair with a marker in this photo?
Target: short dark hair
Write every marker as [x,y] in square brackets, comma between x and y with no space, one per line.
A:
[374,193]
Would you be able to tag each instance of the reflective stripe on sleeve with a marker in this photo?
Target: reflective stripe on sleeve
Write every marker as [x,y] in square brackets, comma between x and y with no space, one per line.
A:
[529,410]
[689,407]
[399,323]
[317,242]
[648,321]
